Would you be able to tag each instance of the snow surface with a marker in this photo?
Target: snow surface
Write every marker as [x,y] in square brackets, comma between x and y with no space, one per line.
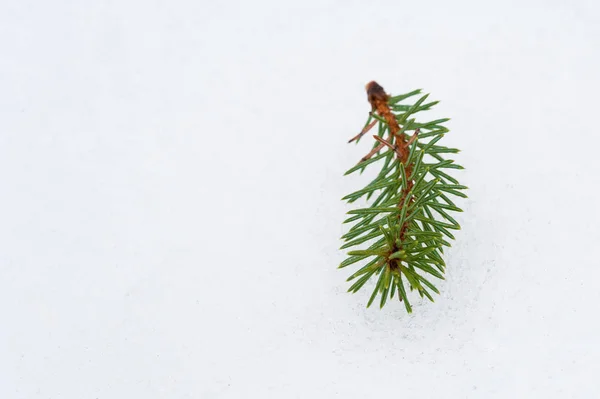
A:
[170,207]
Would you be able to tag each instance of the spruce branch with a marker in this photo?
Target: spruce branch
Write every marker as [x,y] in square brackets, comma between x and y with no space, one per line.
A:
[403,232]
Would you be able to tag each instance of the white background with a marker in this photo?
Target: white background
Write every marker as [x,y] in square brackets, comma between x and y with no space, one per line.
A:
[170,213]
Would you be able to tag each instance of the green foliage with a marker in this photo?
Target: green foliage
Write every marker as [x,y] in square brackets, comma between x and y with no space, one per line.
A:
[398,240]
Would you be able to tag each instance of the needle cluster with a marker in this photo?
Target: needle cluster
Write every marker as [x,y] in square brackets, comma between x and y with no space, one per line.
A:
[399,239]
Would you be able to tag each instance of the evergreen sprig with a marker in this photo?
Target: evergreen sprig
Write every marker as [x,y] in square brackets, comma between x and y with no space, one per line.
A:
[402,234]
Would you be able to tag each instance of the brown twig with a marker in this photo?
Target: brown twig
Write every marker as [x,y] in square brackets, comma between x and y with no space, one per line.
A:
[378,99]
[393,147]
[373,152]
[363,132]
[413,137]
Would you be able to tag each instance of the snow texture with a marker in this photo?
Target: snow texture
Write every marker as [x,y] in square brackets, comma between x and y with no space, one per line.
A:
[170,207]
